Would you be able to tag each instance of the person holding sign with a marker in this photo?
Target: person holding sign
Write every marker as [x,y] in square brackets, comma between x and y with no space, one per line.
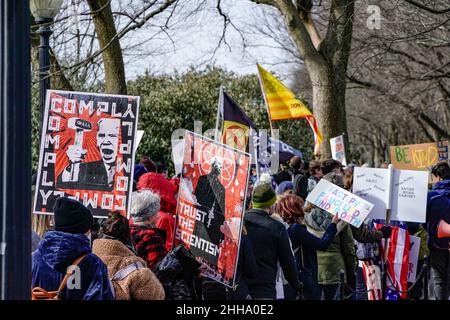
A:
[438,219]
[340,256]
[304,243]
[270,242]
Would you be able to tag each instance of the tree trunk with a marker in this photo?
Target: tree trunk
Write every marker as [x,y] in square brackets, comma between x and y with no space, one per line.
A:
[328,107]
[115,81]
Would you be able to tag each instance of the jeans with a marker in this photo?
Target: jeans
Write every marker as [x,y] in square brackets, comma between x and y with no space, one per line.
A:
[439,261]
[361,287]
[330,291]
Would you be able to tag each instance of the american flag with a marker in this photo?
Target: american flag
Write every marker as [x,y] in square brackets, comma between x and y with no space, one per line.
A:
[372,275]
[397,261]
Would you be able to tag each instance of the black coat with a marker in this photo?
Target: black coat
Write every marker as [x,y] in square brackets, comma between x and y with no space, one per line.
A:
[305,246]
[271,245]
[92,176]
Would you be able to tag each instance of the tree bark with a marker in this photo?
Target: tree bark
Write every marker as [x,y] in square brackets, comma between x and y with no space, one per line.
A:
[115,81]
[326,61]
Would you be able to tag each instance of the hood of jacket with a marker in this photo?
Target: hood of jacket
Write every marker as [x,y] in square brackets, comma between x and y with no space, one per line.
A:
[318,220]
[59,249]
[160,185]
[143,234]
[442,187]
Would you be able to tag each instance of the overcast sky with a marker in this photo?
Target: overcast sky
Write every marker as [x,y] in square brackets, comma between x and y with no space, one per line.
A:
[194,43]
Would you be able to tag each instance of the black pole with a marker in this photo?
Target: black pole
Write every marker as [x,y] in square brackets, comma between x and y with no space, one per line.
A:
[15,150]
[44,33]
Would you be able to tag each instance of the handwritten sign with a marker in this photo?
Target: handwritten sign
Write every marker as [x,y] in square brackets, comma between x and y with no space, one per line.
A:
[419,156]
[409,195]
[338,150]
[409,192]
[336,200]
[371,184]
[414,247]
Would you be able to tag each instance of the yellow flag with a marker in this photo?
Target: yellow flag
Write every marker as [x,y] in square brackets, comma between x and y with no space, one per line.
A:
[282,104]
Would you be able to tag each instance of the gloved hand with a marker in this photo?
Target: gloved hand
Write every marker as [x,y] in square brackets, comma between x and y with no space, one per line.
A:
[386,231]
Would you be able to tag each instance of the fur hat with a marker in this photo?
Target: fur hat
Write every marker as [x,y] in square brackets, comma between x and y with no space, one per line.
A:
[144,204]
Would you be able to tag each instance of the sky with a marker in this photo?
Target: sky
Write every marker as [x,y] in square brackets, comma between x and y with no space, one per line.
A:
[196,40]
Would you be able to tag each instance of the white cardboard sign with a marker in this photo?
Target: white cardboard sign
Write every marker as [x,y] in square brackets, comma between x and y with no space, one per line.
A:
[140,134]
[336,200]
[409,192]
[338,150]
[414,247]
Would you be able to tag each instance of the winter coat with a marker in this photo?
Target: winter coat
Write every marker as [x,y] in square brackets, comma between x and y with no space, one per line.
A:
[56,252]
[160,185]
[364,234]
[438,208]
[340,255]
[305,246]
[270,242]
[247,268]
[140,284]
[149,243]
[312,183]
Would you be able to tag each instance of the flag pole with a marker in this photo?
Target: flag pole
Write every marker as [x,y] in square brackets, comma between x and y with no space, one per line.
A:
[219,108]
[265,101]
[386,241]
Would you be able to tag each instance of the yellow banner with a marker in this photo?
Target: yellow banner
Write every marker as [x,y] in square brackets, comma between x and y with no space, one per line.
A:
[283,104]
[281,101]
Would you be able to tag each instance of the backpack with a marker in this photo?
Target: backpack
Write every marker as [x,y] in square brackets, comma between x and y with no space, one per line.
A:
[123,273]
[38,293]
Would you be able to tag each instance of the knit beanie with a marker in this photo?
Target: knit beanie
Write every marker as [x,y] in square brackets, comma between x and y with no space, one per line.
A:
[139,170]
[72,216]
[144,204]
[263,194]
[284,186]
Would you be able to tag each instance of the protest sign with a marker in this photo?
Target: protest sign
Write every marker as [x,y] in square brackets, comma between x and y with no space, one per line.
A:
[338,149]
[177,154]
[211,204]
[408,195]
[336,200]
[140,134]
[419,156]
[87,151]
[414,247]
[371,185]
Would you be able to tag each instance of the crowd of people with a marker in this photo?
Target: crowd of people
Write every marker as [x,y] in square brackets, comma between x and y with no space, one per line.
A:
[289,248]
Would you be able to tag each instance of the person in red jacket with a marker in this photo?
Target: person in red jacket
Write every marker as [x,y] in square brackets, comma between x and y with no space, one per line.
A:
[165,219]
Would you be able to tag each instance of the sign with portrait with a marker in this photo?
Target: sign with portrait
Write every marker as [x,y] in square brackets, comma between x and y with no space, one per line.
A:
[87,151]
[211,204]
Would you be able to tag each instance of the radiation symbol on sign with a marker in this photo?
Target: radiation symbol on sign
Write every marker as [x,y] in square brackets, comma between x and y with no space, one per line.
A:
[209,154]
[235,136]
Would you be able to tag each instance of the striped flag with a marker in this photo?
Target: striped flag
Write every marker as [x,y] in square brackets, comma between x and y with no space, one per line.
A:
[372,276]
[397,260]
[282,104]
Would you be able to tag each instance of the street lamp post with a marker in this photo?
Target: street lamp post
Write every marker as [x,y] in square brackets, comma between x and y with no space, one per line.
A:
[44,11]
[15,151]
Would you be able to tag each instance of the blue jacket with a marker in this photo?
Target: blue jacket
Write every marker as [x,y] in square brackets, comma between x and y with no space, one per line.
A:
[56,252]
[438,208]
[305,246]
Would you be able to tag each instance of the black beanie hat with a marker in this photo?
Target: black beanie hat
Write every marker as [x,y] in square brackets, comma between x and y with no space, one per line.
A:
[71,216]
